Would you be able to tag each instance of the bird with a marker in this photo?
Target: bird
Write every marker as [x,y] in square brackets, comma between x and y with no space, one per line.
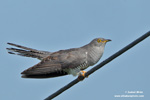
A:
[63,62]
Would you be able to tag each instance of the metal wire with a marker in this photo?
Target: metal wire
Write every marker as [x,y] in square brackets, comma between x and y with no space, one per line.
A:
[99,66]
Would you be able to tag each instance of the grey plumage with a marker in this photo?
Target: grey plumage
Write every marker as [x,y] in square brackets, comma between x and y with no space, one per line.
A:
[27,52]
[63,62]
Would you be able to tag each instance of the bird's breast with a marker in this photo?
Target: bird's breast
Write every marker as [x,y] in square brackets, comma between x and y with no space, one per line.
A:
[94,55]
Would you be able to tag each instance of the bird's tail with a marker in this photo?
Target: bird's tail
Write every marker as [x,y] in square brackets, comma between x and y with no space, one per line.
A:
[27,52]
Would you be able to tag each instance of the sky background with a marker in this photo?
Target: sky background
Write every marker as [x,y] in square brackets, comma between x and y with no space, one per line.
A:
[52,25]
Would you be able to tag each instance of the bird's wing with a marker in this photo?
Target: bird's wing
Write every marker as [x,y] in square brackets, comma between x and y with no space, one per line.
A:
[27,52]
[54,64]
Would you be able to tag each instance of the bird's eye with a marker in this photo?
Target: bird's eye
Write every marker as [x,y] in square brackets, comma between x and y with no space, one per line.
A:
[99,40]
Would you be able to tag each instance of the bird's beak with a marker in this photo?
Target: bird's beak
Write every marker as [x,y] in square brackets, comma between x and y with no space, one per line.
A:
[108,40]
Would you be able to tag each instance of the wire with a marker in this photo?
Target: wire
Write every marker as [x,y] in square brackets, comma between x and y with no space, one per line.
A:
[129,46]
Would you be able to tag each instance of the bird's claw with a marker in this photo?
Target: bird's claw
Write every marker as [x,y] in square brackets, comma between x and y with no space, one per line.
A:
[82,73]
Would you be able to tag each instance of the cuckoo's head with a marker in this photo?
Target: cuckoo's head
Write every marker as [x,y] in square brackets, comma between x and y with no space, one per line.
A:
[99,41]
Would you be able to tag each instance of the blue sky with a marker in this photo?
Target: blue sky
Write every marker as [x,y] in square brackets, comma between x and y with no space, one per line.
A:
[52,25]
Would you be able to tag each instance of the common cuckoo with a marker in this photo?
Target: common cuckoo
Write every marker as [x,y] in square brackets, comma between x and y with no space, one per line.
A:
[63,62]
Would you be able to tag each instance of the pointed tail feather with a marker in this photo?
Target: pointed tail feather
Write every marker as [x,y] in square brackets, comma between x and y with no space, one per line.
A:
[27,52]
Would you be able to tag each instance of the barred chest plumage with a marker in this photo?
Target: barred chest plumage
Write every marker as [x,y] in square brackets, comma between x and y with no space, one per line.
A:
[94,55]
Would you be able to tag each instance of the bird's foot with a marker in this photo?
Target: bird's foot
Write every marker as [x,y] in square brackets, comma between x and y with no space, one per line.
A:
[81,75]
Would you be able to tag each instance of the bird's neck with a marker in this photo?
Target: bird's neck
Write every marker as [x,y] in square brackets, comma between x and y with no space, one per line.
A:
[94,54]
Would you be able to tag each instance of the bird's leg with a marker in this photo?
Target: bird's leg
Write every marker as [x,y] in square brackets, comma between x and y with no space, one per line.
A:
[82,73]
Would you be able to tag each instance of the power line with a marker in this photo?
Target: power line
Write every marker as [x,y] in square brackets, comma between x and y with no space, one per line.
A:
[129,46]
